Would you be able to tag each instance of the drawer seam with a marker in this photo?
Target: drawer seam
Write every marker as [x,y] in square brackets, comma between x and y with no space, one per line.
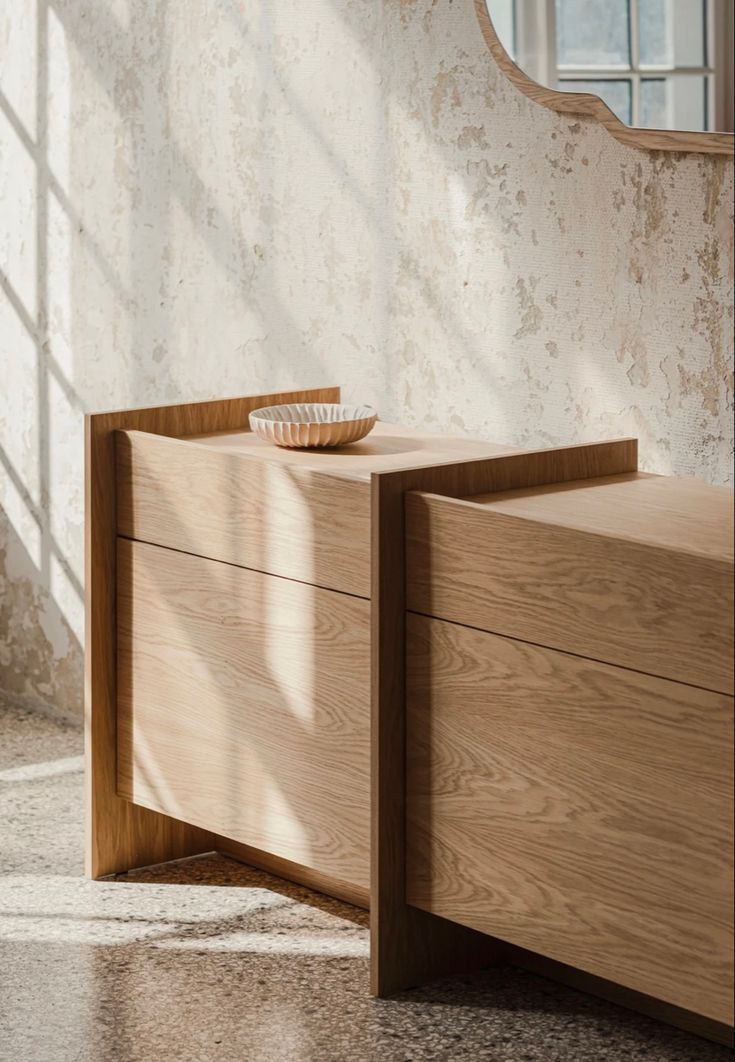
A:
[567,652]
[244,567]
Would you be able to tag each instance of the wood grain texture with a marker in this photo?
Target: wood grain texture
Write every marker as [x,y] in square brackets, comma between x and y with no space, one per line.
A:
[635,571]
[575,809]
[120,836]
[408,946]
[243,707]
[585,105]
[685,515]
[357,895]
[236,508]
[389,446]
[718,1031]
[234,497]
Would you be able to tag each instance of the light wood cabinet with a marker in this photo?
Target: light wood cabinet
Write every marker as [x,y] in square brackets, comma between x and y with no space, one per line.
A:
[485,692]
[570,726]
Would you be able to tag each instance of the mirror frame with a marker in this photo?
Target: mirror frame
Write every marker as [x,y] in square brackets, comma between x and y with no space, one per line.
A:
[583,104]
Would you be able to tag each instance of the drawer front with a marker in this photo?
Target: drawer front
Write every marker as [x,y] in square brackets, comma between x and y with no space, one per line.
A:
[243,707]
[572,808]
[226,506]
[660,611]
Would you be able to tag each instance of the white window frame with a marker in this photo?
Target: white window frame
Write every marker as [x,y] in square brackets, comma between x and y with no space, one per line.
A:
[534,47]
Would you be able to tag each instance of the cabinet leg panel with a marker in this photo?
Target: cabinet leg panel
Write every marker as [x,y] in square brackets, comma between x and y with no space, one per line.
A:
[122,836]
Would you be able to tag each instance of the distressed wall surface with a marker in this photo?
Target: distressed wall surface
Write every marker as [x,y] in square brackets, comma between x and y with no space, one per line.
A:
[213,197]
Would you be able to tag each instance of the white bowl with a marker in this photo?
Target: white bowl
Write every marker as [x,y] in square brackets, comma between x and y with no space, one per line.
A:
[307,424]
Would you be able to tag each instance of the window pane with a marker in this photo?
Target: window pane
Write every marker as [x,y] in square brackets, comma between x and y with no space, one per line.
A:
[672,32]
[653,104]
[616,94]
[501,13]
[593,32]
[674,103]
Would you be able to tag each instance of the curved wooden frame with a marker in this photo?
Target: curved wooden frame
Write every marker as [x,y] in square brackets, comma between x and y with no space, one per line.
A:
[583,104]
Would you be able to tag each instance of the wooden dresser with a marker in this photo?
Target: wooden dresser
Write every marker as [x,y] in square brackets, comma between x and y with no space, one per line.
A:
[570,720]
[485,692]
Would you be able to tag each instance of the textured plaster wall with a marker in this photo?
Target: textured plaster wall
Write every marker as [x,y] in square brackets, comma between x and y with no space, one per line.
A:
[212,197]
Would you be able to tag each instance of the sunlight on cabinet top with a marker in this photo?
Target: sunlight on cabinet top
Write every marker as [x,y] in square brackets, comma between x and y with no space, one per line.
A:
[679,514]
[388,446]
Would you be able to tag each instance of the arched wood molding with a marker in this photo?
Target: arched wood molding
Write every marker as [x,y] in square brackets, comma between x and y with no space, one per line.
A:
[585,105]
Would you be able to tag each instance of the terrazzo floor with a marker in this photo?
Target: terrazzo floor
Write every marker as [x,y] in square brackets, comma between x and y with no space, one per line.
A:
[206,960]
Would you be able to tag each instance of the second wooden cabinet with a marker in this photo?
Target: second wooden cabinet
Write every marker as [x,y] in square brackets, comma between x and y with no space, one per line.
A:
[570,726]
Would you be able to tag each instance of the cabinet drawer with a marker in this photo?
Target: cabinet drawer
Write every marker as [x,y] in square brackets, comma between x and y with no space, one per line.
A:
[228,506]
[573,808]
[664,609]
[243,706]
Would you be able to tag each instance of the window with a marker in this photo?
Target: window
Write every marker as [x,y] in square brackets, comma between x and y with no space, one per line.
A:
[663,64]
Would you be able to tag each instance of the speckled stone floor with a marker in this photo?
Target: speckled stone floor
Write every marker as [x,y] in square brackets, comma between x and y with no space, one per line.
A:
[206,960]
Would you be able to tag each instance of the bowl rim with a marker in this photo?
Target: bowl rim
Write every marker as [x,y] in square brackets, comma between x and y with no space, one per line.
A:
[257,414]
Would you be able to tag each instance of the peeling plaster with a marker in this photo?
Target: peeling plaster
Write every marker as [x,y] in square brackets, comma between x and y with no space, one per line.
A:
[40,658]
[257,196]
[531,315]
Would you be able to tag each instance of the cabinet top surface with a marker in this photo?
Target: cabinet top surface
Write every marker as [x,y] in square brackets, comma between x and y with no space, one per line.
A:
[664,511]
[388,446]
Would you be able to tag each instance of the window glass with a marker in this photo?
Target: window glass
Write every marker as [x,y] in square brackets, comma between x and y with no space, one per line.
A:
[616,94]
[672,32]
[593,32]
[674,102]
[502,15]
[653,103]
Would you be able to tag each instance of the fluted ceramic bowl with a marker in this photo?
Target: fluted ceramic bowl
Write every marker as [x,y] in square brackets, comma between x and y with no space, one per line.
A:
[313,424]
